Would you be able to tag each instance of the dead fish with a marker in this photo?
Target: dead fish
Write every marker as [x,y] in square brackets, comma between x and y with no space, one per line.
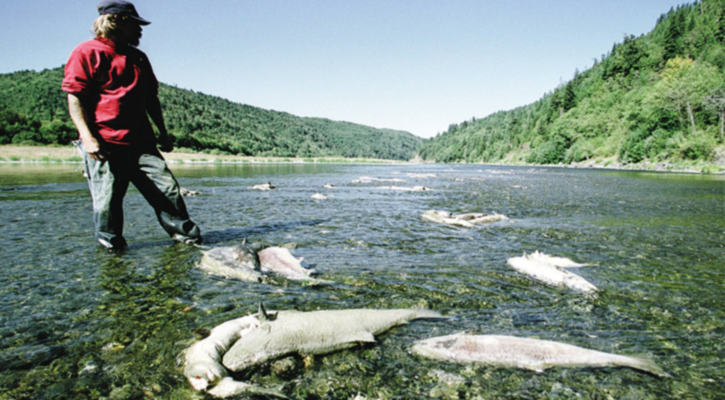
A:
[240,262]
[202,361]
[280,261]
[367,179]
[468,220]
[407,189]
[188,192]
[538,267]
[255,263]
[319,196]
[315,332]
[263,186]
[515,352]
[556,261]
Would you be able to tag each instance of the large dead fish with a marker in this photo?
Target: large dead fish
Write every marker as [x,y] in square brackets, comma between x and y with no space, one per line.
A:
[315,332]
[254,263]
[468,220]
[202,361]
[550,270]
[515,352]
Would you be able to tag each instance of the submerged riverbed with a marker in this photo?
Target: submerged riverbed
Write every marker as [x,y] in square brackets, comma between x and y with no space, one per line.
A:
[77,322]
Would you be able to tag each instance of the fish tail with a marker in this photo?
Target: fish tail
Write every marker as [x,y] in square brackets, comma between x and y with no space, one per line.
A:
[646,364]
[228,387]
[423,313]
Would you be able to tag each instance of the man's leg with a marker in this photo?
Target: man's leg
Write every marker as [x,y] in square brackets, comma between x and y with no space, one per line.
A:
[157,184]
[107,191]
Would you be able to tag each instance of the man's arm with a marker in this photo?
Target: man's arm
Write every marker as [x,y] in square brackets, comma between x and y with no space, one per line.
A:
[80,116]
[153,108]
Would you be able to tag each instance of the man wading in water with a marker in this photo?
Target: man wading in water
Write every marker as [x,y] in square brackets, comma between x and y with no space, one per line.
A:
[111,90]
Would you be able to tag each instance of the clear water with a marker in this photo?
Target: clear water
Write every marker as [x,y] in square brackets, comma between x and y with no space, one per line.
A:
[76,322]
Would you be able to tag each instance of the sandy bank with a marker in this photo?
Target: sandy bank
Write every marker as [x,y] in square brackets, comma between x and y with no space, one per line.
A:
[49,154]
[69,154]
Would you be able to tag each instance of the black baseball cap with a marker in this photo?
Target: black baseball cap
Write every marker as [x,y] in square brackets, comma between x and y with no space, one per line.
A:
[120,7]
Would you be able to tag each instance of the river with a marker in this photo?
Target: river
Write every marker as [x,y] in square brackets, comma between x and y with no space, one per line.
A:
[77,322]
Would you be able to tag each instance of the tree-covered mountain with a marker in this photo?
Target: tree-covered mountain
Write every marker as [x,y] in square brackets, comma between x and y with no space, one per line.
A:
[33,110]
[660,96]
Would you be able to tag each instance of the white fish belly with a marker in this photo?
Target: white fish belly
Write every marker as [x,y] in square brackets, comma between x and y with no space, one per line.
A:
[550,274]
[280,261]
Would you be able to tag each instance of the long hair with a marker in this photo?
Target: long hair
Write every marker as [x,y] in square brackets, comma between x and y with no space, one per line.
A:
[105,25]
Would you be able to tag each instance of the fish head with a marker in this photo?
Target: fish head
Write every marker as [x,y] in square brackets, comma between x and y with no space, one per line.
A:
[436,347]
[247,254]
[201,375]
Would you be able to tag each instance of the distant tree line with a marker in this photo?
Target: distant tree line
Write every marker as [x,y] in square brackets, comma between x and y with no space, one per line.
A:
[659,96]
[33,110]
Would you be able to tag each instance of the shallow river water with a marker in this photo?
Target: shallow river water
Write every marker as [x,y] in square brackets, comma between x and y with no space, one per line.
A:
[76,322]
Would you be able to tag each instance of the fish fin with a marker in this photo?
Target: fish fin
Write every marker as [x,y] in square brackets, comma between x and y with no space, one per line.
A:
[264,315]
[363,337]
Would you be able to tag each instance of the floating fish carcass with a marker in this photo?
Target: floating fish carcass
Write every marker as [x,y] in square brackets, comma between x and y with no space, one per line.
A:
[468,220]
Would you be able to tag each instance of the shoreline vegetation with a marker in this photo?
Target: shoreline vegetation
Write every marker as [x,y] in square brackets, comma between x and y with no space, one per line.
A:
[10,154]
[655,101]
[69,154]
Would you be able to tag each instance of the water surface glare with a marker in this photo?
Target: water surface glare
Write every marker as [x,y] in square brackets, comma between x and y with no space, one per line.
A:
[76,322]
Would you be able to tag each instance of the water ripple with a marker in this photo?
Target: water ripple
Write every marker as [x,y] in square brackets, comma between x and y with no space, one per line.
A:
[79,322]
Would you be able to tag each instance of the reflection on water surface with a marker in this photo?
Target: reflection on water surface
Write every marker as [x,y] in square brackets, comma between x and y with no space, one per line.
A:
[79,323]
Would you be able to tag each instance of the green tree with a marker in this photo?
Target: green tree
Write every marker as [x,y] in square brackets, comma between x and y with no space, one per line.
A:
[683,85]
[715,102]
[720,32]
[673,35]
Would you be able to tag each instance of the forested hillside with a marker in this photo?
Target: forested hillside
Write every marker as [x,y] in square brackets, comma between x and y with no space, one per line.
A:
[657,97]
[33,110]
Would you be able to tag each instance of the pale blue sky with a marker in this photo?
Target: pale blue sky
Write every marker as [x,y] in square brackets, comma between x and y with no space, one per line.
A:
[413,65]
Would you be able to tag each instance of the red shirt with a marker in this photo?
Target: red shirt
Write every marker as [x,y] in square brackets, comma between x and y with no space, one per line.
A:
[113,82]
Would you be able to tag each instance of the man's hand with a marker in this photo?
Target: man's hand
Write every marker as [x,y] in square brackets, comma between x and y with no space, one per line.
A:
[165,144]
[153,108]
[80,116]
[94,149]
